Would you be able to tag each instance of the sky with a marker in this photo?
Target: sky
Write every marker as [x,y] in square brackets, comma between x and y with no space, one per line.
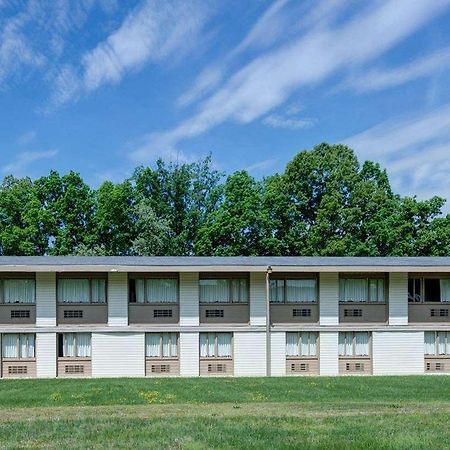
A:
[103,86]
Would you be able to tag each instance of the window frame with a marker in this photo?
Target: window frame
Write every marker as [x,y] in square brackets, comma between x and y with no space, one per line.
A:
[230,278]
[368,277]
[161,356]
[436,353]
[287,277]
[216,348]
[422,279]
[18,347]
[82,276]
[299,345]
[133,277]
[61,336]
[6,277]
[354,355]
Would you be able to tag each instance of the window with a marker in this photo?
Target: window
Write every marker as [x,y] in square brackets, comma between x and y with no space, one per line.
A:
[301,344]
[354,343]
[18,346]
[74,345]
[437,343]
[154,290]
[161,345]
[293,290]
[361,290]
[223,290]
[428,290]
[18,290]
[82,290]
[215,345]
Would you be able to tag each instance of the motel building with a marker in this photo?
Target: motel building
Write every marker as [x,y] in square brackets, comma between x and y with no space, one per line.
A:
[223,316]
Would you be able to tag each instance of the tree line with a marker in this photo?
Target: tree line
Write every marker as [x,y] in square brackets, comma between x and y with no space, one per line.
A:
[324,203]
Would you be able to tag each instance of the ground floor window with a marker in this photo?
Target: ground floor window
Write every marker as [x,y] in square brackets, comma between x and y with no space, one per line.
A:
[437,343]
[18,346]
[215,345]
[301,344]
[74,345]
[354,343]
[161,345]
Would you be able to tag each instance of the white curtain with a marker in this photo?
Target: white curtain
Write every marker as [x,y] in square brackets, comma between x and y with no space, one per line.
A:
[239,290]
[301,290]
[10,349]
[304,344]
[430,343]
[169,345]
[19,291]
[83,345]
[214,291]
[353,290]
[346,344]
[312,344]
[362,343]
[223,344]
[207,345]
[98,290]
[376,289]
[203,345]
[442,341]
[276,290]
[445,289]
[292,344]
[72,290]
[140,290]
[69,345]
[152,345]
[162,290]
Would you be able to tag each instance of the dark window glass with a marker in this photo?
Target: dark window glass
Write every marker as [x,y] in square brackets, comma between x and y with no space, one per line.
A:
[432,290]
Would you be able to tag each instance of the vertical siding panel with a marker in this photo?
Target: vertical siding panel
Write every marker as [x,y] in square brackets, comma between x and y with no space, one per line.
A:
[45,299]
[118,354]
[189,299]
[257,298]
[117,299]
[250,354]
[398,352]
[398,299]
[328,359]
[278,354]
[329,298]
[45,355]
[189,354]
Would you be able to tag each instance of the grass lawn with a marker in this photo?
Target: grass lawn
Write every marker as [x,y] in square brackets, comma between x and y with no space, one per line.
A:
[250,413]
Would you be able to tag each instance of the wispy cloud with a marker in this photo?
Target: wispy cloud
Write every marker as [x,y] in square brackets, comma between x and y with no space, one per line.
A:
[26,138]
[290,123]
[262,165]
[24,159]
[270,79]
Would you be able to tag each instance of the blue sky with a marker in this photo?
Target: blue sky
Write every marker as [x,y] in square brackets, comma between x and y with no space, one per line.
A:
[102,86]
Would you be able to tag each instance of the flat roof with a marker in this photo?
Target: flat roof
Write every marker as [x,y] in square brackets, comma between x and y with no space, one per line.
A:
[221,263]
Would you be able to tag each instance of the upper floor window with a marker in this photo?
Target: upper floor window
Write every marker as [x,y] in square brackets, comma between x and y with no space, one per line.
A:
[215,345]
[18,346]
[362,290]
[154,290]
[161,345]
[421,289]
[74,345]
[293,290]
[354,343]
[81,290]
[15,290]
[437,343]
[223,290]
[301,344]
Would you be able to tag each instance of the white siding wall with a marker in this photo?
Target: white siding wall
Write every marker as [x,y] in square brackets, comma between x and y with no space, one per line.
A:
[118,354]
[398,298]
[45,355]
[278,354]
[329,298]
[189,299]
[257,298]
[45,299]
[398,352]
[250,354]
[117,299]
[189,355]
[329,360]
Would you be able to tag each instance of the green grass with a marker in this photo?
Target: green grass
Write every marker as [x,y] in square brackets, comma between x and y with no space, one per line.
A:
[250,413]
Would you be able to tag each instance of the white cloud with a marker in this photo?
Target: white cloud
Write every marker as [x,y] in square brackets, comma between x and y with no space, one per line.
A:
[290,123]
[262,165]
[24,159]
[26,138]
[378,79]
[270,79]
